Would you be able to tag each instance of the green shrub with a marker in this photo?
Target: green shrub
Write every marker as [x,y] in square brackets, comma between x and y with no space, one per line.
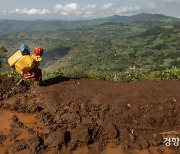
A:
[94,74]
[171,74]
[47,76]
[134,74]
[129,75]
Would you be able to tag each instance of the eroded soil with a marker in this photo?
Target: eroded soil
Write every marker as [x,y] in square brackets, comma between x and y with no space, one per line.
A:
[82,116]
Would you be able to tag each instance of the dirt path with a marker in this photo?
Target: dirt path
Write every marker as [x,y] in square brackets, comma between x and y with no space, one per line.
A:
[88,116]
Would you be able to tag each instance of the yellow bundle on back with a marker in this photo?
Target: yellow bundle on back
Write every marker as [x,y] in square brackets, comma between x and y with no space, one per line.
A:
[14,58]
[25,64]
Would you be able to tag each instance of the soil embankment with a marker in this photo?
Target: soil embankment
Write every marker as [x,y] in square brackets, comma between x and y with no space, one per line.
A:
[89,116]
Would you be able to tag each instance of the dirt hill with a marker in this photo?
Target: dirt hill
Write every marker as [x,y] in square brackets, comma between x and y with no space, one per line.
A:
[89,116]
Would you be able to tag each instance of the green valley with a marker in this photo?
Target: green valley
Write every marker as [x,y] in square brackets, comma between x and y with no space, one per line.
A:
[113,44]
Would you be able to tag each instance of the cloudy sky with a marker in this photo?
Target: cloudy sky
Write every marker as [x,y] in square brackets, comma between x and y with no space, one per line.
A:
[82,9]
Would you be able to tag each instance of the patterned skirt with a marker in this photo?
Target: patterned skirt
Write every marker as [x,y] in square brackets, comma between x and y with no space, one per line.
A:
[34,75]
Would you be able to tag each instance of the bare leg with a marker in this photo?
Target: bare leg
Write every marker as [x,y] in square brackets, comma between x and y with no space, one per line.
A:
[20,81]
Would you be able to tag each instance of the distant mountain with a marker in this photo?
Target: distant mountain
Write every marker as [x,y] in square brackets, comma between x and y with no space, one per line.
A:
[108,44]
[9,26]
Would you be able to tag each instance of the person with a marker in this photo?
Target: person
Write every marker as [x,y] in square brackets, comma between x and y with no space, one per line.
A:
[35,74]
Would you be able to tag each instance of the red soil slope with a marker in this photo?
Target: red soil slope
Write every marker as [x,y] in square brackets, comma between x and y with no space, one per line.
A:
[65,114]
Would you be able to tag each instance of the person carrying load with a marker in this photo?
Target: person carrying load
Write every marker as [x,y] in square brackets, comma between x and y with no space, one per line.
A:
[35,73]
[27,64]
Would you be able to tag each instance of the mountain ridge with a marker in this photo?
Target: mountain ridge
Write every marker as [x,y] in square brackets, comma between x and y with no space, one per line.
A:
[8,26]
[149,41]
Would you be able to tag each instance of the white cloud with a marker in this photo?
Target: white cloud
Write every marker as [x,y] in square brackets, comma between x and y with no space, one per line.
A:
[74,9]
[168,1]
[3,12]
[89,10]
[58,7]
[30,11]
[89,7]
[93,10]
[67,9]
[127,10]
[107,6]
[71,7]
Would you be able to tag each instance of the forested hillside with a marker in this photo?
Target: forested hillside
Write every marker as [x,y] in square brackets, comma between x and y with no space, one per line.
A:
[112,44]
[154,49]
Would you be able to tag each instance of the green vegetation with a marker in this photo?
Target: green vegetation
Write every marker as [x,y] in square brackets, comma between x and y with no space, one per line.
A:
[173,73]
[129,75]
[155,49]
[141,47]
[10,26]
[3,58]
[3,49]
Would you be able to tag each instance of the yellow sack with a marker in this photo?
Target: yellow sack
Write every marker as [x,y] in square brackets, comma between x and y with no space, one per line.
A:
[14,58]
[25,64]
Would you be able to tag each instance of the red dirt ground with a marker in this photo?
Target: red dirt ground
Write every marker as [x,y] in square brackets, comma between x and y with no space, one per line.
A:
[89,116]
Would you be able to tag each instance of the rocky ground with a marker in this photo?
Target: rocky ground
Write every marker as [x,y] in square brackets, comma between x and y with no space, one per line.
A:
[89,116]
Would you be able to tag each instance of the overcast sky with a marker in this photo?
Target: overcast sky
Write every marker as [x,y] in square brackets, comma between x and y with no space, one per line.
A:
[83,9]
